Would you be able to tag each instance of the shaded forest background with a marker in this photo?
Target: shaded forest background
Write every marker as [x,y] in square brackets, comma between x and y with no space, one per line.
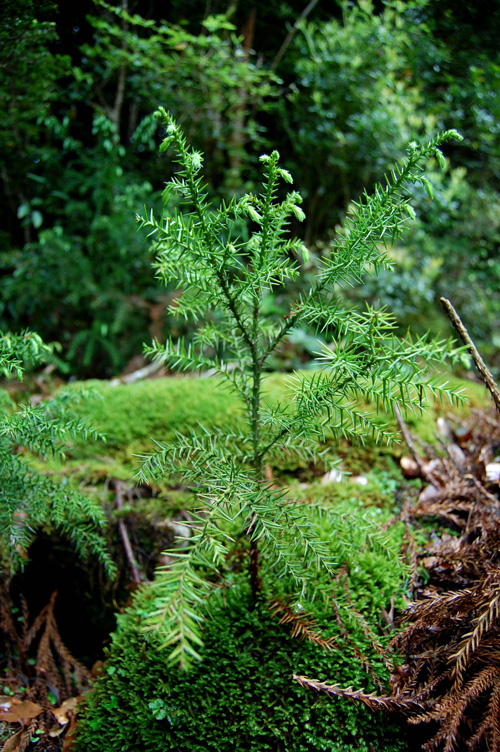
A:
[338,89]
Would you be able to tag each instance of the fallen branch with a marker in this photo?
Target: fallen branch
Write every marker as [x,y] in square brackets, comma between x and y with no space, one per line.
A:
[139,375]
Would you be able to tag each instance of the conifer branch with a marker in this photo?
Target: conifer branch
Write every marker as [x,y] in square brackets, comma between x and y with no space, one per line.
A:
[372,701]
[373,220]
[303,625]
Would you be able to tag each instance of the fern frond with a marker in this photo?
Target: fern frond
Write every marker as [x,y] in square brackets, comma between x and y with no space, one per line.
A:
[372,701]
[303,625]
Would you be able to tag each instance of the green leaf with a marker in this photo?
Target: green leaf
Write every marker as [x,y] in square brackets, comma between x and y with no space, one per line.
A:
[36,219]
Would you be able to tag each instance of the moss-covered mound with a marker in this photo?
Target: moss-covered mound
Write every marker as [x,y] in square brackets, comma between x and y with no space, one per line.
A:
[131,413]
[133,416]
[134,413]
[241,698]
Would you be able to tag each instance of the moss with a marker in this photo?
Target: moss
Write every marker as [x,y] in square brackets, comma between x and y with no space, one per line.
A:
[132,414]
[379,492]
[241,698]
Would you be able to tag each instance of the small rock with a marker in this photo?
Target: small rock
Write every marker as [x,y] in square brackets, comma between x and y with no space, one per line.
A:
[463,434]
[456,454]
[409,467]
[360,479]
[178,529]
[429,493]
[332,476]
[444,429]
[493,472]
[432,467]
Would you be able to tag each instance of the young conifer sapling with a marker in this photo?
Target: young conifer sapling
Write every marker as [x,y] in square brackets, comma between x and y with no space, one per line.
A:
[223,279]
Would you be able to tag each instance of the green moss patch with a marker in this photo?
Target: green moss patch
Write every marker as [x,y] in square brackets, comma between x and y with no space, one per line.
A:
[241,698]
[133,416]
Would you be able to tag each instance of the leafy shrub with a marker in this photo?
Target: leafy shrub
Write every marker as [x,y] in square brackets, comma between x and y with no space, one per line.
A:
[82,207]
[452,251]
[353,105]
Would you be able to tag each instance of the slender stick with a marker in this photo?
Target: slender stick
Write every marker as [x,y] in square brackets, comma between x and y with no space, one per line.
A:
[289,37]
[483,370]
[409,442]
[136,577]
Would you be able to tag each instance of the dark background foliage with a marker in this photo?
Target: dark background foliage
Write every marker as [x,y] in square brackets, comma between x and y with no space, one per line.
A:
[339,94]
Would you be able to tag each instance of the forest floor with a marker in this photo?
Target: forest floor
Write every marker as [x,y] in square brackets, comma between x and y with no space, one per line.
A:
[441,482]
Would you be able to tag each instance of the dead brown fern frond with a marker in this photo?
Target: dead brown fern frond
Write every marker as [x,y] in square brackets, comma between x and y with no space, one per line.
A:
[53,658]
[13,642]
[494,716]
[449,637]
[303,625]
[410,555]
[54,669]
[452,711]
[372,701]
[481,625]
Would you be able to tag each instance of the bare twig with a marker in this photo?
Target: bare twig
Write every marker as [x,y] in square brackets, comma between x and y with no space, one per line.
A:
[409,443]
[142,373]
[483,370]
[136,577]
[289,37]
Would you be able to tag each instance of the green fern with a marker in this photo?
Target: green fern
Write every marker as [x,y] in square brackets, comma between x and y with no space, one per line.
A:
[222,281]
